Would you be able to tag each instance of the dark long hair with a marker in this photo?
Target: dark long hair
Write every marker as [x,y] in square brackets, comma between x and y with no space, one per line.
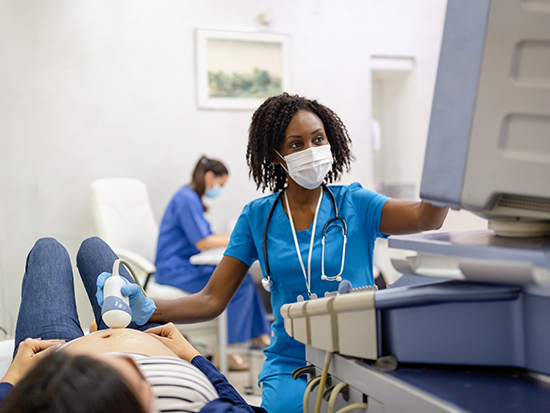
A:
[203,166]
[267,131]
[62,383]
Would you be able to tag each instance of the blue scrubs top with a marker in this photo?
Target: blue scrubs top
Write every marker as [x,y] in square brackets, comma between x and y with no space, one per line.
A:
[360,208]
[182,226]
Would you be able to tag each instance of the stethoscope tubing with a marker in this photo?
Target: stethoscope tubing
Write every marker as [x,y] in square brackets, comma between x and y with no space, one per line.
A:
[325,228]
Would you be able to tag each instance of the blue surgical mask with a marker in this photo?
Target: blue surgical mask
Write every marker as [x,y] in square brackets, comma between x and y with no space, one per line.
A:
[214,192]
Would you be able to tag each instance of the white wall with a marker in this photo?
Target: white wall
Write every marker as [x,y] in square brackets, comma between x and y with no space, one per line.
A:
[105,88]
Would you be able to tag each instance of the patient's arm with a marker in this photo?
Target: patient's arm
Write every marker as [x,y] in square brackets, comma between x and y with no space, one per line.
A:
[29,353]
[210,301]
[170,336]
[230,400]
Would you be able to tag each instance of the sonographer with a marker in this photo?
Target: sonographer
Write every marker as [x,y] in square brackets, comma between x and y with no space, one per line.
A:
[307,236]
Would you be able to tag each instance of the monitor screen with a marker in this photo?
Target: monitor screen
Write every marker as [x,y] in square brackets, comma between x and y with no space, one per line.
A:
[488,148]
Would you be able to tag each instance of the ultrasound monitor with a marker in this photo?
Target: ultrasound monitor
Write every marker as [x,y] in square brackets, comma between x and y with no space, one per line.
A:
[488,148]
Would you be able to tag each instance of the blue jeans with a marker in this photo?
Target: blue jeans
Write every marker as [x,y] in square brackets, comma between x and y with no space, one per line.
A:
[48,306]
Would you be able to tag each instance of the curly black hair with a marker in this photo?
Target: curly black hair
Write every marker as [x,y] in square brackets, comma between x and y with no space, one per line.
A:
[267,131]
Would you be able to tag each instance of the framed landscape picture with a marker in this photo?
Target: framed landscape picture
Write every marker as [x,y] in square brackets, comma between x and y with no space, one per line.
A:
[240,69]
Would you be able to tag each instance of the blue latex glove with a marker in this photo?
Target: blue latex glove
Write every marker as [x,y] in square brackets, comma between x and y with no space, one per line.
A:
[142,307]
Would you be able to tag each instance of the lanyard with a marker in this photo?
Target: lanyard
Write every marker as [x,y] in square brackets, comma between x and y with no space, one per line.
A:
[307,277]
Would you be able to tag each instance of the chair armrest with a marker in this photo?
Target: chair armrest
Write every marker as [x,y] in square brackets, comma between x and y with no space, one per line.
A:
[136,259]
[163,292]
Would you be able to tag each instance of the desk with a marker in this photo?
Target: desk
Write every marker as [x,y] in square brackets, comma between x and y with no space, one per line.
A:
[213,257]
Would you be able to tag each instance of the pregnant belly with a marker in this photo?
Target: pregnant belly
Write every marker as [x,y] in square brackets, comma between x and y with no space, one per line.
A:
[124,340]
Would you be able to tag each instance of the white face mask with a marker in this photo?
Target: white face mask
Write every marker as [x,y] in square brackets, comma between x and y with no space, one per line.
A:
[309,167]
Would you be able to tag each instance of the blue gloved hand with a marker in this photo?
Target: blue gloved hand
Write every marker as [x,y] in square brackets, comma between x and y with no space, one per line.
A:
[142,307]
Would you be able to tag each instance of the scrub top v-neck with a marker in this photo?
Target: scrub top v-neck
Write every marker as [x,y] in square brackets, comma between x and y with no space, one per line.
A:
[361,208]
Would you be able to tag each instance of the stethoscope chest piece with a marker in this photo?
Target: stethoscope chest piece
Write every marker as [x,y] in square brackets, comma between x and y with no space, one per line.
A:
[267,283]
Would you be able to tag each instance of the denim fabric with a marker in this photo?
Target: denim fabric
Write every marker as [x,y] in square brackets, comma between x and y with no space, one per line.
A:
[48,307]
[93,258]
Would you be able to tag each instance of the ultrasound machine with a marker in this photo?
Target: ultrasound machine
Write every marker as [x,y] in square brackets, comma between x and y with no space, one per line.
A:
[466,328]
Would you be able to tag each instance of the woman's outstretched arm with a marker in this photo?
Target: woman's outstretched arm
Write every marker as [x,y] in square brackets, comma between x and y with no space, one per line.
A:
[401,217]
[208,303]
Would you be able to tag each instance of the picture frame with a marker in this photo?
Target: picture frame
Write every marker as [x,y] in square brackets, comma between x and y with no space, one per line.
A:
[239,69]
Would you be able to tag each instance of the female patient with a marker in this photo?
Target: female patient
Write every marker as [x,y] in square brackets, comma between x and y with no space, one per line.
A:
[123,370]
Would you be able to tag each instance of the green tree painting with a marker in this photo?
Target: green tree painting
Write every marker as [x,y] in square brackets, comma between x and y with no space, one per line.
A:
[259,84]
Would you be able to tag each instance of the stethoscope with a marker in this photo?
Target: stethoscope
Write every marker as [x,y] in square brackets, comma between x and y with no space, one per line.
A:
[267,282]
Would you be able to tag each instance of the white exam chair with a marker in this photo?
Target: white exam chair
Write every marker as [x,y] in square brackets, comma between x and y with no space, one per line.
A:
[124,219]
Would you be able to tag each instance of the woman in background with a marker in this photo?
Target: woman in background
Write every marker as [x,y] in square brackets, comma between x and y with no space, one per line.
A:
[184,231]
[295,146]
